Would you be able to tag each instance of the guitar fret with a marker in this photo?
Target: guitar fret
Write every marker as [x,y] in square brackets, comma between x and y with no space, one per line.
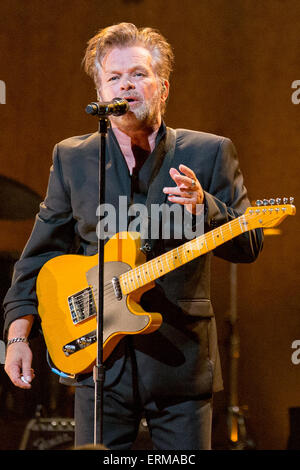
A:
[189,250]
[132,279]
[155,268]
[184,252]
[177,250]
[241,225]
[143,278]
[229,225]
[169,256]
[145,274]
[212,234]
[158,267]
[139,276]
[166,256]
[217,236]
[151,264]
[162,263]
[173,255]
[136,276]
[178,256]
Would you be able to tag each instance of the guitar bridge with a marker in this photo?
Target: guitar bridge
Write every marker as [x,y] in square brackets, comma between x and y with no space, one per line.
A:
[82,305]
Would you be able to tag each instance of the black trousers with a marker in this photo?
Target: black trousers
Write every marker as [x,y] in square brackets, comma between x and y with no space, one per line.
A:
[174,423]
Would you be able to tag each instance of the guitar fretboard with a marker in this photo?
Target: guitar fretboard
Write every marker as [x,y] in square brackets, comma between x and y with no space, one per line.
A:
[173,259]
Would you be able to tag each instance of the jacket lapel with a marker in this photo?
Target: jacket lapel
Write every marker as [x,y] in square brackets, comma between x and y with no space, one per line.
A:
[160,178]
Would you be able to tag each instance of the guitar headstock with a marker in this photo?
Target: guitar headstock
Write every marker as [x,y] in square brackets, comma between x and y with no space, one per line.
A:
[270,212]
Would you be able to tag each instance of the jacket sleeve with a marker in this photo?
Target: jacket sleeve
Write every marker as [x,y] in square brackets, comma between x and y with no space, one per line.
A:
[52,235]
[227,199]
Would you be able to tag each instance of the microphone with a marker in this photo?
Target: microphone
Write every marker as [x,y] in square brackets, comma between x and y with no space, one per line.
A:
[116,107]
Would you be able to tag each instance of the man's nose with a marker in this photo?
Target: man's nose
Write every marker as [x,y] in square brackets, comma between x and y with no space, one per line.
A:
[127,84]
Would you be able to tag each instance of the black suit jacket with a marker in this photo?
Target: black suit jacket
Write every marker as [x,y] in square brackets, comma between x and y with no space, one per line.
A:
[182,357]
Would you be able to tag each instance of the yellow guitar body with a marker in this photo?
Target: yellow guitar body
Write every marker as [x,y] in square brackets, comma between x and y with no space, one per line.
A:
[64,276]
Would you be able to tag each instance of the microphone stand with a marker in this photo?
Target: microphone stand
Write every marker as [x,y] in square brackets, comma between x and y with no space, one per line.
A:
[99,369]
[236,425]
[117,107]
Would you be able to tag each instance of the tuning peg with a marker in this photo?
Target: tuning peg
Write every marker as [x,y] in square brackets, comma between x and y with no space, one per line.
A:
[259,202]
[291,200]
[285,200]
[272,201]
[278,200]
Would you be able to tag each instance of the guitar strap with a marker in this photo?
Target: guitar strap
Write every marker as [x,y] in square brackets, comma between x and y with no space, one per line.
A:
[160,178]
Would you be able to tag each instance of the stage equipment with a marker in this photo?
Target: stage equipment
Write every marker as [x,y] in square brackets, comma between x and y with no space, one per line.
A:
[236,414]
[48,433]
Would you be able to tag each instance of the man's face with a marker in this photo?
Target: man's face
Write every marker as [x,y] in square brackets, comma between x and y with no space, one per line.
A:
[128,73]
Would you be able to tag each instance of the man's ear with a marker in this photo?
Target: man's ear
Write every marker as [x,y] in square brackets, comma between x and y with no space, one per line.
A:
[165,87]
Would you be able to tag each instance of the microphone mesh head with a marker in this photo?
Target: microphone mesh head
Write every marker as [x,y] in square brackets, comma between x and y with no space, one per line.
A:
[121,108]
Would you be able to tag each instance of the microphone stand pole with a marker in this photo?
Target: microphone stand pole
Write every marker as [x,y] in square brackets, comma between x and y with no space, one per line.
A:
[237,432]
[99,369]
[117,107]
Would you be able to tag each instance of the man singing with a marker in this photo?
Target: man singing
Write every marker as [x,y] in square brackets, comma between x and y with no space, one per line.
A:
[170,375]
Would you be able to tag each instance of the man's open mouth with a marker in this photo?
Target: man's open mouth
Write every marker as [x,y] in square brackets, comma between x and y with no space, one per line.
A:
[131,99]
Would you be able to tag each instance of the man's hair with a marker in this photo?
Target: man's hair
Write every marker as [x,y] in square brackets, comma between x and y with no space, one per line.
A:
[126,35]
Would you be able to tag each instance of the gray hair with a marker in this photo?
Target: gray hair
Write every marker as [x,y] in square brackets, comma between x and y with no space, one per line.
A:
[126,35]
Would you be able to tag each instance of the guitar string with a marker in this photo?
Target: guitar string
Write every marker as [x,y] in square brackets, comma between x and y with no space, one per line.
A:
[171,255]
[225,229]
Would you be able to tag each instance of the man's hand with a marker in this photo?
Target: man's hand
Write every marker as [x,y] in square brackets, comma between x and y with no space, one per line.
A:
[18,364]
[188,190]
[18,355]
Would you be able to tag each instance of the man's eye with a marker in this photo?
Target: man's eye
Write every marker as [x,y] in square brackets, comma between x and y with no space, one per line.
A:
[113,78]
[139,74]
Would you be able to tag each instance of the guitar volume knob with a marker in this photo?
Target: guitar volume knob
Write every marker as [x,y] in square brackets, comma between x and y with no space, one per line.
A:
[83,341]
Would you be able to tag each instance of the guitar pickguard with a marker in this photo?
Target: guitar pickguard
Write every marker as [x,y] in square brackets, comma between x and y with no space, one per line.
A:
[117,317]
[116,312]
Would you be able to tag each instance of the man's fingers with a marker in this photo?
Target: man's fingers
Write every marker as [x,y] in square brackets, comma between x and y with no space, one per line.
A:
[13,371]
[173,173]
[18,365]
[28,374]
[182,200]
[187,171]
[185,179]
[16,376]
[178,191]
[188,190]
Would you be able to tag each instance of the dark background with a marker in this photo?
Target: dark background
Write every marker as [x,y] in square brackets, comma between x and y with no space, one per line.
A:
[235,63]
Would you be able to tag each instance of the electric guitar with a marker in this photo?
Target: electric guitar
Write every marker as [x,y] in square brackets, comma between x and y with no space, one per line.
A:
[67,288]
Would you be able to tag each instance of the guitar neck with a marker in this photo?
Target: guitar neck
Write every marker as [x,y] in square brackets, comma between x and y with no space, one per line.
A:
[173,259]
